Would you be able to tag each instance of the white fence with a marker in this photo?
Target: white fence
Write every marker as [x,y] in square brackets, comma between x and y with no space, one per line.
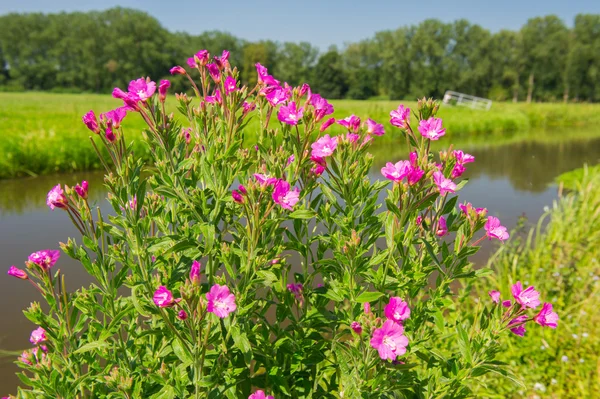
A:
[466,100]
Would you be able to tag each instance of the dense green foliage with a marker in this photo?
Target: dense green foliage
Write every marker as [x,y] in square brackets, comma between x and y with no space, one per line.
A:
[42,132]
[560,256]
[96,51]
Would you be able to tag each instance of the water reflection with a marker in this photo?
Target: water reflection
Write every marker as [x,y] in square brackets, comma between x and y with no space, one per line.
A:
[510,180]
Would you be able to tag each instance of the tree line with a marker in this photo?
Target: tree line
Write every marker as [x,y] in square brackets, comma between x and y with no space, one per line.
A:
[95,51]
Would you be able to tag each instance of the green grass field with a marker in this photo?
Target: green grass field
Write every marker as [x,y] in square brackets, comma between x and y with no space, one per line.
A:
[43,133]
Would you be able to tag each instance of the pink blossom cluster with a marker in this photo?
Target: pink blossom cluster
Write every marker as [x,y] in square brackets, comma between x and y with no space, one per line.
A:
[220,300]
[404,169]
[282,195]
[516,314]
[389,339]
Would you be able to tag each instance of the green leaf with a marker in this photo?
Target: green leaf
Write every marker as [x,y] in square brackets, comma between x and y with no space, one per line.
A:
[303,214]
[369,297]
[90,346]
[464,344]
[167,392]
[240,339]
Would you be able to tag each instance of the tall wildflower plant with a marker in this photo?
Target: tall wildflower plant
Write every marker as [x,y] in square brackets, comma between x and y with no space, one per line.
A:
[272,269]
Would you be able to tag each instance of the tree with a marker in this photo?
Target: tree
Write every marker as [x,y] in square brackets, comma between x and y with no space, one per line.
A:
[545,45]
[295,62]
[329,78]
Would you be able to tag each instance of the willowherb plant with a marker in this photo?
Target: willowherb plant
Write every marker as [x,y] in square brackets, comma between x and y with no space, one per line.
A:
[242,267]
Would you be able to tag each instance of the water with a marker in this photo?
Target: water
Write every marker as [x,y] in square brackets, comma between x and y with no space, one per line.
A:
[511,180]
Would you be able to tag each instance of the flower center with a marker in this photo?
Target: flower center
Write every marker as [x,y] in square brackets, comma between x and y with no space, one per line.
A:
[389,342]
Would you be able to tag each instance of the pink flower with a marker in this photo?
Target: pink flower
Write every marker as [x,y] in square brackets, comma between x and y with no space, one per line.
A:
[82,190]
[243,189]
[195,272]
[222,61]
[290,114]
[230,85]
[248,107]
[322,107]
[468,206]
[259,395]
[18,273]
[506,303]
[114,117]
[216,99]
[38,335]
[91,122]
[442,229]
[397,310]
[356,327]
[462,157]
[110,136]
[200,58]
[187,134]
[389,340]
[494,229]
[414,175]
[528,298]
[283,196]
[324,146]
[177,70]
[276,95]
[396,172]
[375,128]
[214,72]
[237,196]
[352,137]
[295,288]
[351,123]
[182,315]
[457,171]
[367,307]
[317,170]
[264,77]
[143,88]
[305,88]
[163,298]
[400,117]
[431,128]
[443,184]
[546,317]
[221,302]
[326,124]
[290,159]
[519,323]
[162,89]
[56,198]
[265,180]
[495,295]
[45,258]
[26,358]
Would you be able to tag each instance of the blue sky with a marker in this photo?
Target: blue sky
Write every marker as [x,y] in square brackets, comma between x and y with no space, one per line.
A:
[320,22]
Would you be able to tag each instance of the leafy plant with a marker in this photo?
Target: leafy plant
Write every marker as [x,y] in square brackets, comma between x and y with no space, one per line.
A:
[230,270]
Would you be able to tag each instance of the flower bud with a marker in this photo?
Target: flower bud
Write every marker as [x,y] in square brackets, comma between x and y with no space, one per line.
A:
[195,272]
[162,89]
[182,315]
[18,273]
[177,70]
[82,190]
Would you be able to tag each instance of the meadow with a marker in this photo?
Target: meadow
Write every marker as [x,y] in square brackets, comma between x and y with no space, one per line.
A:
[42,132]
[561,257]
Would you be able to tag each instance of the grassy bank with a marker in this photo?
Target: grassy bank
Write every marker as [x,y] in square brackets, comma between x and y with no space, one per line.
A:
[42,132]
[562,260]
